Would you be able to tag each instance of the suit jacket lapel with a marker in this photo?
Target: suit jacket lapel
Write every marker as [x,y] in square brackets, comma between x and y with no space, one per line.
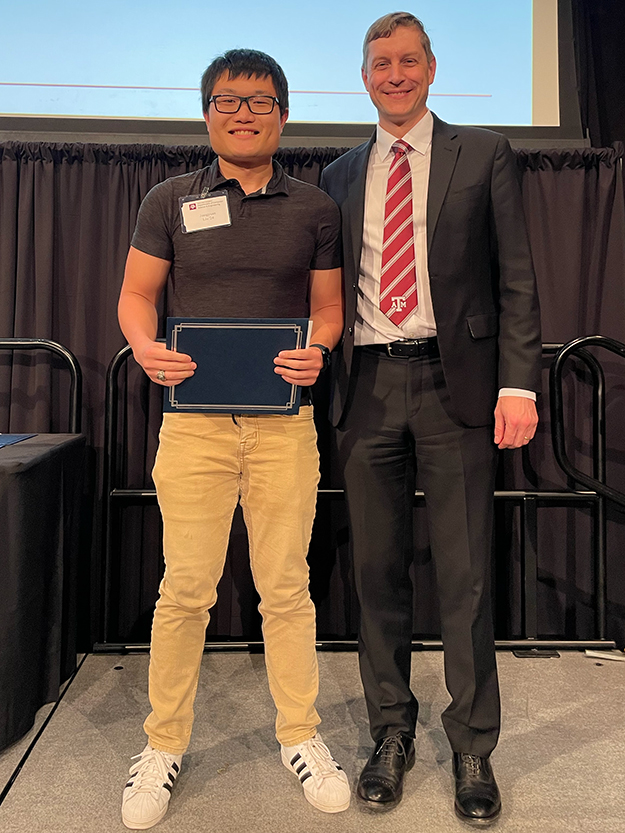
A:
[445,148]
[355,202]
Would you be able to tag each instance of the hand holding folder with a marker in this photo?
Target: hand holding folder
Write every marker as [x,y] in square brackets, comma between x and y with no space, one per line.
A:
[235,365]
[163,366]
[301,366]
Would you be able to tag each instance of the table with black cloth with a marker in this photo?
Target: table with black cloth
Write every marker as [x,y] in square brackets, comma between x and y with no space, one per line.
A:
[40,498]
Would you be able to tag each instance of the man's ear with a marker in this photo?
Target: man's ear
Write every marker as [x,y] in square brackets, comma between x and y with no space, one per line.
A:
[206,120]
[283,119]
[432,70]
[365,80]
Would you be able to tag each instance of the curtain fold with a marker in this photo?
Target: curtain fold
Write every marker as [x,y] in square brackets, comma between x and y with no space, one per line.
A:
[570,158]
[600,62]
[67,213]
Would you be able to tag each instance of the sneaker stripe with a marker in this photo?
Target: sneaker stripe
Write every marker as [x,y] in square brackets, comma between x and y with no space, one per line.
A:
[325,785]
[149,788]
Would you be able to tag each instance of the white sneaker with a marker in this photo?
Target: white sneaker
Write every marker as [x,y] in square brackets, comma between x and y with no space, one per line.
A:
[325,784]
[147,793]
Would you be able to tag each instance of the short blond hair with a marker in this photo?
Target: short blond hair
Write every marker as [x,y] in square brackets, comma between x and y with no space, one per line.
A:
[386,25]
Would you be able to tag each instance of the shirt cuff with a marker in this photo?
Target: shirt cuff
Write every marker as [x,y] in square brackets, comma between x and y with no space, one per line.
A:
[526,394]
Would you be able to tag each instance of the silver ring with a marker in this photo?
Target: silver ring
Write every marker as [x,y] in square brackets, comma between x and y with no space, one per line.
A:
[161,376]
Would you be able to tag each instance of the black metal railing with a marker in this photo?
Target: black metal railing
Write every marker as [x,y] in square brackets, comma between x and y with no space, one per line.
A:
[596,483]
[71,362]
[528,501]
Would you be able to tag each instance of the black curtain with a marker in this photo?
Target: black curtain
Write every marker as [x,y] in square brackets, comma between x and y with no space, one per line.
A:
[67,213]
[599,26]
[575,213]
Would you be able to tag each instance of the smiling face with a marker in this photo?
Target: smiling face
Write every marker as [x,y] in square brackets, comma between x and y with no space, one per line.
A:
[397,76]
[243,138]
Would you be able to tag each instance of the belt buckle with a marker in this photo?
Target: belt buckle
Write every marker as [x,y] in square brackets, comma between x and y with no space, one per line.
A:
[401,354]
[392,353]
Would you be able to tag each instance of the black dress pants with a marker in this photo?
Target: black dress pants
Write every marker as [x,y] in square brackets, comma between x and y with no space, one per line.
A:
[399,419]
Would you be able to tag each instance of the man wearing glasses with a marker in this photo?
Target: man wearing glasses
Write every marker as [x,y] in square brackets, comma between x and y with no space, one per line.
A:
[277,257]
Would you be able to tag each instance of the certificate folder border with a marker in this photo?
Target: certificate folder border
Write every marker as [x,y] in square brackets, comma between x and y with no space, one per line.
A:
[299,327]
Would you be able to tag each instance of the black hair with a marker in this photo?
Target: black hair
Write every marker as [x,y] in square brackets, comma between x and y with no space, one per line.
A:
[247,62]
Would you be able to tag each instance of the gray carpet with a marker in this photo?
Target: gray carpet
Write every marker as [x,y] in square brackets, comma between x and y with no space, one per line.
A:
[560,763]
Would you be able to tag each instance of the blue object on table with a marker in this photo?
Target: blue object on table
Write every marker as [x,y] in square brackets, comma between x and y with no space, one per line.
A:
[235,370]
[10,439]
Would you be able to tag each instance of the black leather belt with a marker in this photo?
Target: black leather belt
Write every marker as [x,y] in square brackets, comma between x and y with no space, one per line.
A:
[408,348]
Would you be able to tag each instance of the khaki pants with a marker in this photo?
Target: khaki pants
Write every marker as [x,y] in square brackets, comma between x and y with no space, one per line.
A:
[205,465]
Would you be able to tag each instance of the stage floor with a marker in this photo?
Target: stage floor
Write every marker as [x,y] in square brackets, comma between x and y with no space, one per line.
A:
[560,763]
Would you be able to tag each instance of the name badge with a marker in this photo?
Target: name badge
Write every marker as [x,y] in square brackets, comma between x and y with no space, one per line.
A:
[200,213]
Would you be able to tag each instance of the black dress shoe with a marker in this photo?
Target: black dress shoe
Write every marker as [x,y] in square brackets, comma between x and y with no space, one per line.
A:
[477,795]
[381,782]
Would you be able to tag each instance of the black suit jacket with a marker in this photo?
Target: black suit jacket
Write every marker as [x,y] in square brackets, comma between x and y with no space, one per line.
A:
[481,275]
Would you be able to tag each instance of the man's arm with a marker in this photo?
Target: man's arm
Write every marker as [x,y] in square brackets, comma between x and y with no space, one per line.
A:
[302,367]
[516,418]
[144,279]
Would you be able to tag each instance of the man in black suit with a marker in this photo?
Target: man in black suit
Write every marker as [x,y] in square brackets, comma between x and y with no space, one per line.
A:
[442,330]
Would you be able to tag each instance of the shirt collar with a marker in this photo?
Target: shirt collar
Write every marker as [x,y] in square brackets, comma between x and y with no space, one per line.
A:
[418,137]
[278,184]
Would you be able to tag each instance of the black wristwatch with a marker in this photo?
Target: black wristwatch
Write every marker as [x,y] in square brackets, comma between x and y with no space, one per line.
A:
[325,355]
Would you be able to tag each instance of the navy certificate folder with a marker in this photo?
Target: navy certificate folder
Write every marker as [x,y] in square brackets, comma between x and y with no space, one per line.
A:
[235,370]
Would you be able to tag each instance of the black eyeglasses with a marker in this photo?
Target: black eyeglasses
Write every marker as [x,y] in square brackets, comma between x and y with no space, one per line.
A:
[260,105]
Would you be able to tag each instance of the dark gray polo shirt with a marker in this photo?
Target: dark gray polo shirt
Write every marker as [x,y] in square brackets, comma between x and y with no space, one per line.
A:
[258,267]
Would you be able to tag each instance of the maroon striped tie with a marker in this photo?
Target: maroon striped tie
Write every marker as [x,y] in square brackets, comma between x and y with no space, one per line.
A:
[398,278]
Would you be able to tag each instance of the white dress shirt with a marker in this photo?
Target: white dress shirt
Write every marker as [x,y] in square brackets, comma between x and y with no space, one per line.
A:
[372,326]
